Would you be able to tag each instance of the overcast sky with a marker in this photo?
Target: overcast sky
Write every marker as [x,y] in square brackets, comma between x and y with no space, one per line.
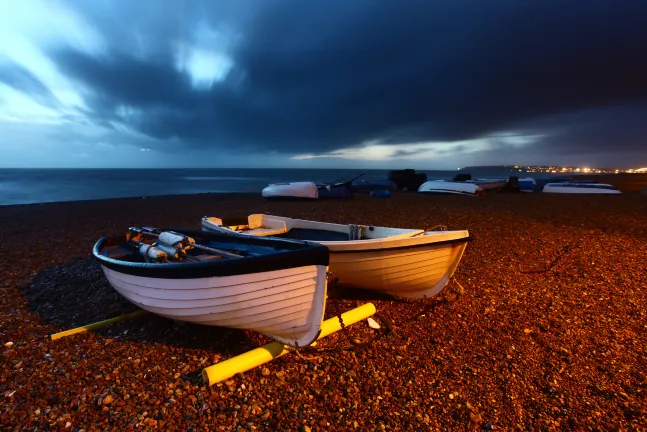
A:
[334,83]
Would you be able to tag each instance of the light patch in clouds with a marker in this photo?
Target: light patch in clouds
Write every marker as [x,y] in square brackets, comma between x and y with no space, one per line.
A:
[375,151]
[204,56]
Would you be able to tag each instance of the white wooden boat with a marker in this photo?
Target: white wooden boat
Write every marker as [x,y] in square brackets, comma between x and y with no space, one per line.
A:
[400,262]
[489,184]
[291,190]
[276,287]
[580,188]
[450,187]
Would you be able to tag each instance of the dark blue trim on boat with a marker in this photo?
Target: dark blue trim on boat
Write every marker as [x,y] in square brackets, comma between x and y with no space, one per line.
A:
[289,254]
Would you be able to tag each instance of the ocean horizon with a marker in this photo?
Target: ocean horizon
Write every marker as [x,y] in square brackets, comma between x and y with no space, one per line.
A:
[41,185]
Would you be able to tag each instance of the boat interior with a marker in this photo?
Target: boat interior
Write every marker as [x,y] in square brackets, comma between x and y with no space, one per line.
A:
[261,225]
[128,248]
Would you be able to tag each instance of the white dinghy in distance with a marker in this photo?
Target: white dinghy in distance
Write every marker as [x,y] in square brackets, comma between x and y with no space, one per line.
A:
[580,188]
[303,190]
[450,187]
[276,287]
[401,262]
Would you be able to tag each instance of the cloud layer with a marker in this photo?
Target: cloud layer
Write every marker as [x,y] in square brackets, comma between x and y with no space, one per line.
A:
[319,78]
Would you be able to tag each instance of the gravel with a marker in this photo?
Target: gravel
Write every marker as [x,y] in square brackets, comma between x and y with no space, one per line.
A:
[548,332]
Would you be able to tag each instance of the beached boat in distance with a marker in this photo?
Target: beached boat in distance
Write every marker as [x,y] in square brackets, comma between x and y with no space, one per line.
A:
[580,188]
[401,262]
[373,185]
[407,179]
[451,187]
[487,184]
[276,287]
[527,184]
[291,190]
[309,190]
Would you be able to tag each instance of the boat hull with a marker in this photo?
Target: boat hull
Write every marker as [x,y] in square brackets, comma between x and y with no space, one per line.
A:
[298,190]
[286,305]
[400,262]
[416,271]
[580,188]
[452,188]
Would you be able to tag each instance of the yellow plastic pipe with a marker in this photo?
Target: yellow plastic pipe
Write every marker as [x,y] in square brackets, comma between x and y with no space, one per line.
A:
[258,356]
[97,324]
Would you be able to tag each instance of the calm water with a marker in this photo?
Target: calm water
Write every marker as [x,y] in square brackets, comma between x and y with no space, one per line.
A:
[25,186]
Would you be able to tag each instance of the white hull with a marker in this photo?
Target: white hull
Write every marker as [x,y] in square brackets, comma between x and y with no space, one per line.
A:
[454,188]
[421,271]
[580,188]
[489,184]
[285,305]
[291,190]
[400,262]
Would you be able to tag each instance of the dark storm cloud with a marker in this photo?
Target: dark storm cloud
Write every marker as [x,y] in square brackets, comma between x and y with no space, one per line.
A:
[612,129]
[318,76]
[22,80]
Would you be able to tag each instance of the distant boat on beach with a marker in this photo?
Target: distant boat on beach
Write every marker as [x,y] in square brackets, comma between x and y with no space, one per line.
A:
[580,188]
[401,262]
[451,188]
[310,190]
[276,287]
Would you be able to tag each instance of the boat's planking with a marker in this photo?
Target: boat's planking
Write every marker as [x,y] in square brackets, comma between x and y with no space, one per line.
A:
[401,262]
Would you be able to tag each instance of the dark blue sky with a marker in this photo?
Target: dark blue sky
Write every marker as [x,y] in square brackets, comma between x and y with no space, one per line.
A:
[379,83]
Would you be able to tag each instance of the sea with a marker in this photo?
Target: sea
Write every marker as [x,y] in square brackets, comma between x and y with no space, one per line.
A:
[37,185]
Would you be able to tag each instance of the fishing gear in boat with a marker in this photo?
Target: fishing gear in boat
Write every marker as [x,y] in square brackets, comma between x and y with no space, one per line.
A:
[149,252]
[169,240]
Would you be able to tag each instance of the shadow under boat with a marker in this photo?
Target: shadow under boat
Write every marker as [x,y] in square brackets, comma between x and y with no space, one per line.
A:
[77,293]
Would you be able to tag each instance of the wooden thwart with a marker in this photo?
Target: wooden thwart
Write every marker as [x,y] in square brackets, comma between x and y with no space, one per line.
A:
[97,325]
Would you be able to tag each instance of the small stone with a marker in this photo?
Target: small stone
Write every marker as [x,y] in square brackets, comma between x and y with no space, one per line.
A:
[475,417]
[527,331]
[280,374]
[9,344]
[451,396]
[306,428]
[108,400]
[67,425]
[373,324]
[355,424]
[265,415]
[265,372]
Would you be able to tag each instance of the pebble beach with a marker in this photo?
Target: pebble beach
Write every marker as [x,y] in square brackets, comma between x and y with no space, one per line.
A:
[544,327]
